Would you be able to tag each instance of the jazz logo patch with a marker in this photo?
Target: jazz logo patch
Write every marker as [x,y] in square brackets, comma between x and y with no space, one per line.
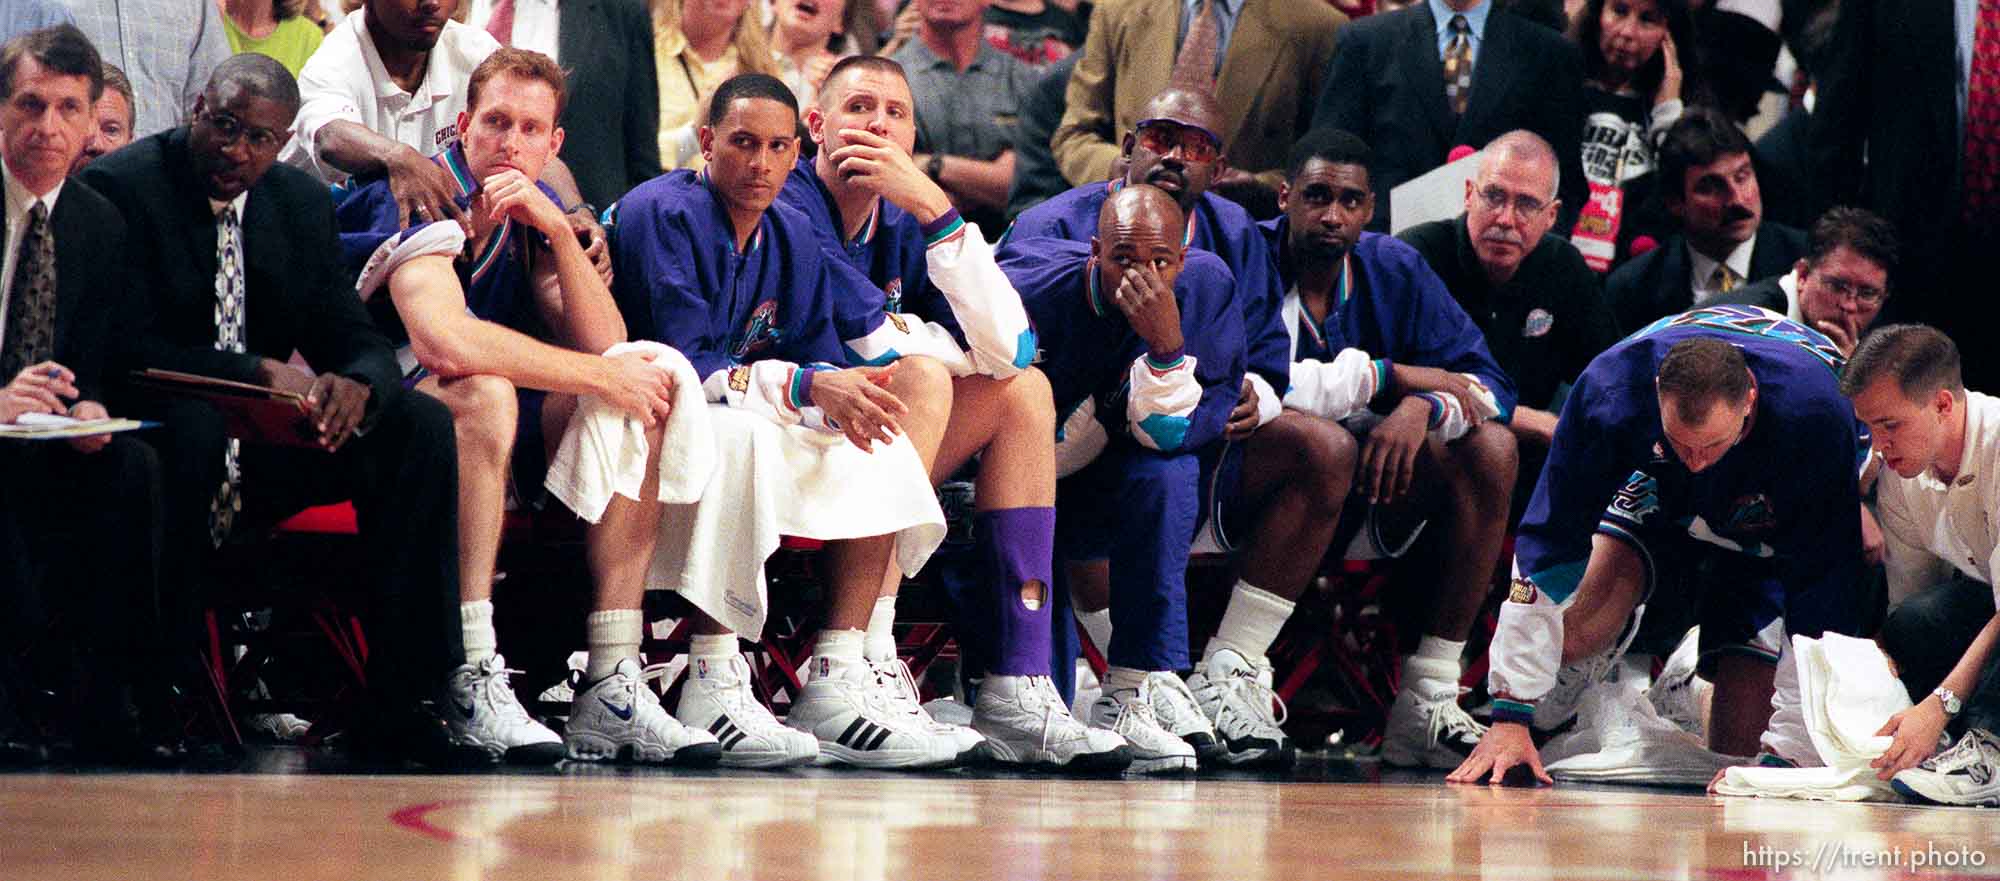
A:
[1538,324]
[739,378]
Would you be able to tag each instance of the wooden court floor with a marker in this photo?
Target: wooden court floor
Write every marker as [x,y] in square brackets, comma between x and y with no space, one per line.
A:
[287,820]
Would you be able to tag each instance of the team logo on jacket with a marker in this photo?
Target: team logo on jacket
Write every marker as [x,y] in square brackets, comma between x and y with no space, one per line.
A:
[739,378]
[1750,514]
[1523,591]
[760,332]
[446,135]
[892,296]
[1538,323]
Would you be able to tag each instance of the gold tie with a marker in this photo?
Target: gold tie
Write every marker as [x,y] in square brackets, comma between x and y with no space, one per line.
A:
[1725,279]
[1458,65]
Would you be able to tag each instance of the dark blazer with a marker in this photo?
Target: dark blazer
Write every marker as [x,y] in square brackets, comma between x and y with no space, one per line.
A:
[1660,282]
[92,293]
[611,124]
[1386,85]
[296,297]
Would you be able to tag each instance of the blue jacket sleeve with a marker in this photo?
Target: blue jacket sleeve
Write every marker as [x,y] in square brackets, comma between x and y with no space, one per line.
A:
[659,284]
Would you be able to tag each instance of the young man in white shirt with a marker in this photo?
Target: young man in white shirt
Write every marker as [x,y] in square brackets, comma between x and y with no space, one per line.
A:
[1936,441]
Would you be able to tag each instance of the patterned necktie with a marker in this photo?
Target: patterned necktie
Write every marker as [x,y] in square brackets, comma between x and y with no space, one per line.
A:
[1724,279]
[501,22]
[1982,116]
[31,309]
[228,500]
[1458,65]
[1195,65]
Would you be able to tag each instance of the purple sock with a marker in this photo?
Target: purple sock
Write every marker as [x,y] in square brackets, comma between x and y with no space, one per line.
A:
[1022,542]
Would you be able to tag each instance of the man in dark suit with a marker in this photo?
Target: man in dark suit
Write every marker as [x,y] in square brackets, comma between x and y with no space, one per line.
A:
[79,539]
[241,261]
[1710,188]
[1388,85]
[1896,120]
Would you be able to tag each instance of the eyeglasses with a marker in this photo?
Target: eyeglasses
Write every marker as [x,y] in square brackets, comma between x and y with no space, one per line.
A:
[1844,289]
[1497,199]
[231,128]
[1163,135]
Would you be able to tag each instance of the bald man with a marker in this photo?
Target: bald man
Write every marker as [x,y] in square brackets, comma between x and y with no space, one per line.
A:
[1177,150]
[1142,343]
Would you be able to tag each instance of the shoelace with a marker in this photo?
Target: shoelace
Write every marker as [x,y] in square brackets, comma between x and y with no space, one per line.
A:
[893,689]
[1453,719]
[500,694]
[1259,695]
[1140,708]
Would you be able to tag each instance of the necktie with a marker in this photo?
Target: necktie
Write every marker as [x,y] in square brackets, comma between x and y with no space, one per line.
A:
[1458,65]
[1724,280]
[501,22]
[31,308]
[1982,116]
[1195,65]
[228,500]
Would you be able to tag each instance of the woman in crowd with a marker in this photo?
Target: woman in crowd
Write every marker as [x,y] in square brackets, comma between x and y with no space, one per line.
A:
[809,36]
[1638,66]
[698,44]
[278,28]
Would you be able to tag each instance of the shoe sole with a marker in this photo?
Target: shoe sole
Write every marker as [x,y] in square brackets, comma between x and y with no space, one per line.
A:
[1110,761]
[834,753]
[1264,757]
[1162,765]
[1913,794]
[766,761]
[544,753]
[694,755]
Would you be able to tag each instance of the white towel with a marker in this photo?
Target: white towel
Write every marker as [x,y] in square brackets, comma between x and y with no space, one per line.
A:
[1620,738]
[604,449]
[772,481]
[1846,691]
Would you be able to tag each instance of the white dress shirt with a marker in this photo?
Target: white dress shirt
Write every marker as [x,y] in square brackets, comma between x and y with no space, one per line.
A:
[1930,528]
[535,24]
[19,202]
[1702,270]
[345,81]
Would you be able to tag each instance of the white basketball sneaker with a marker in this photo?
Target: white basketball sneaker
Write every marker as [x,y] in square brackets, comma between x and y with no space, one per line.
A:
[617,718]
[1235,694]
[1026,722]
[716,698]
[857,723]
[485,711]
[1680,695]
[900,688]
[1129,714]
[1428,729]
[1966,774]
[1177,711]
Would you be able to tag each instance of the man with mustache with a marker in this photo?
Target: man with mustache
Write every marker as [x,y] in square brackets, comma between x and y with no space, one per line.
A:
[242,263]
[1710,187]
[504,325]
[1142,342]
[1541,308]
[1380,348]
[1711,460]
[1175,149]
[865,193]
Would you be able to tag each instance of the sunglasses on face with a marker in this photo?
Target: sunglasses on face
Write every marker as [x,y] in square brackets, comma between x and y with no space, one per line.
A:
[1161,136]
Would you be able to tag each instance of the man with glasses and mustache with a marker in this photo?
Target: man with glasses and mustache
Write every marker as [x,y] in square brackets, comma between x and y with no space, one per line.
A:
[242,263]
[1709,457]
[1380,348]
[1710,189]
[1839,287]
[1175,149]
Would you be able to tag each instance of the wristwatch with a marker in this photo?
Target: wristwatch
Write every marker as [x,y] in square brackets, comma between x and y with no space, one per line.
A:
[1950,701]
[934,166]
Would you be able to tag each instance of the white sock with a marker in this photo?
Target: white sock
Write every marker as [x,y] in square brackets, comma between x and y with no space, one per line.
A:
[1251,623]
[1117,679]
[837,649]
[1435,667]
[880,645]
[718,649]
[611,636]
[475,621]
[1098,625]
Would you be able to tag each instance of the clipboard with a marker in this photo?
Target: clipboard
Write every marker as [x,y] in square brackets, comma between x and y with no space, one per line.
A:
[41,427]
[255,413]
